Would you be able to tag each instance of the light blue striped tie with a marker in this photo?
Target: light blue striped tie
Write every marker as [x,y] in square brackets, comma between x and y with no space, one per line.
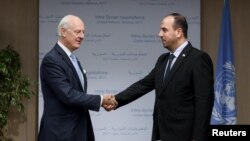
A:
[78,70]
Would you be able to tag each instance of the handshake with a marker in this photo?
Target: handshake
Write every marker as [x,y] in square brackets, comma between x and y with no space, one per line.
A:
[109,102]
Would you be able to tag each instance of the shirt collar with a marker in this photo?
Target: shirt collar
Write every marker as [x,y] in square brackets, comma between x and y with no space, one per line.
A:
[64,48]
[180,48]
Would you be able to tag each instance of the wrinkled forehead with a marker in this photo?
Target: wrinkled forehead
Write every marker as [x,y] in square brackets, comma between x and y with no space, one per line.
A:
[76,23]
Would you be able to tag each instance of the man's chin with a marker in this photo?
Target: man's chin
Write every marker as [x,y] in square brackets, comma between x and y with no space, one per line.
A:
[165,46]
[77,45]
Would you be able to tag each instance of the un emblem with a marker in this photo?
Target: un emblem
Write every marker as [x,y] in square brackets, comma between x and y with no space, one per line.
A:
[224,111]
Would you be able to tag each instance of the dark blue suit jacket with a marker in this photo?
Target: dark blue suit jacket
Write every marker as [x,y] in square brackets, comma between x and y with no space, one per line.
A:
[184,101]
[66,103]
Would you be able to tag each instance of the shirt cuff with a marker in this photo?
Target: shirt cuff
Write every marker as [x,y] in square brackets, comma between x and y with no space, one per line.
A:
[101,100]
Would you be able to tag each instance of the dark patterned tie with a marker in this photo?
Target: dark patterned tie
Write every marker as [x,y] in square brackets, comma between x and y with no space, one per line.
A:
[170,59]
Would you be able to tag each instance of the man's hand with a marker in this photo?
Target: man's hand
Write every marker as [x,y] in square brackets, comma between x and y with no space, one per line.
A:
[109,103]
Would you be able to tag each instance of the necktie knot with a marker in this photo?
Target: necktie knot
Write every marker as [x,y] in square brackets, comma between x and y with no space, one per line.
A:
[171,57]
[73,57]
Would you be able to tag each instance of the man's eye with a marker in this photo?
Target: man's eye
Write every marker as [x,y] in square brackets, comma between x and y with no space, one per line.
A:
[77,31]
[164,30]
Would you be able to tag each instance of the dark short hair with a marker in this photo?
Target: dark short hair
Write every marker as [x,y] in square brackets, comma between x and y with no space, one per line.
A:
[180,22]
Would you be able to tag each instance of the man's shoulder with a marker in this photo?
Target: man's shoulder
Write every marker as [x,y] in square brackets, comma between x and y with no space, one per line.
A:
[197,52]
[52,56]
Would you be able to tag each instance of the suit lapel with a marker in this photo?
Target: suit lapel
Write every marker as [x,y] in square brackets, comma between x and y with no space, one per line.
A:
[181,58]
[163,68]
[65,56]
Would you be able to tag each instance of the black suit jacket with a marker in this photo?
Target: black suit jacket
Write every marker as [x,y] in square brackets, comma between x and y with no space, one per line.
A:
[184,101]
[66,103]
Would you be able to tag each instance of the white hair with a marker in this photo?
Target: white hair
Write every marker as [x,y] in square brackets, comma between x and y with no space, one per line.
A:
[64,23]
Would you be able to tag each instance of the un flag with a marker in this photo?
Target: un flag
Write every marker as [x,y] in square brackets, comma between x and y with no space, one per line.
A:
[224,110]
